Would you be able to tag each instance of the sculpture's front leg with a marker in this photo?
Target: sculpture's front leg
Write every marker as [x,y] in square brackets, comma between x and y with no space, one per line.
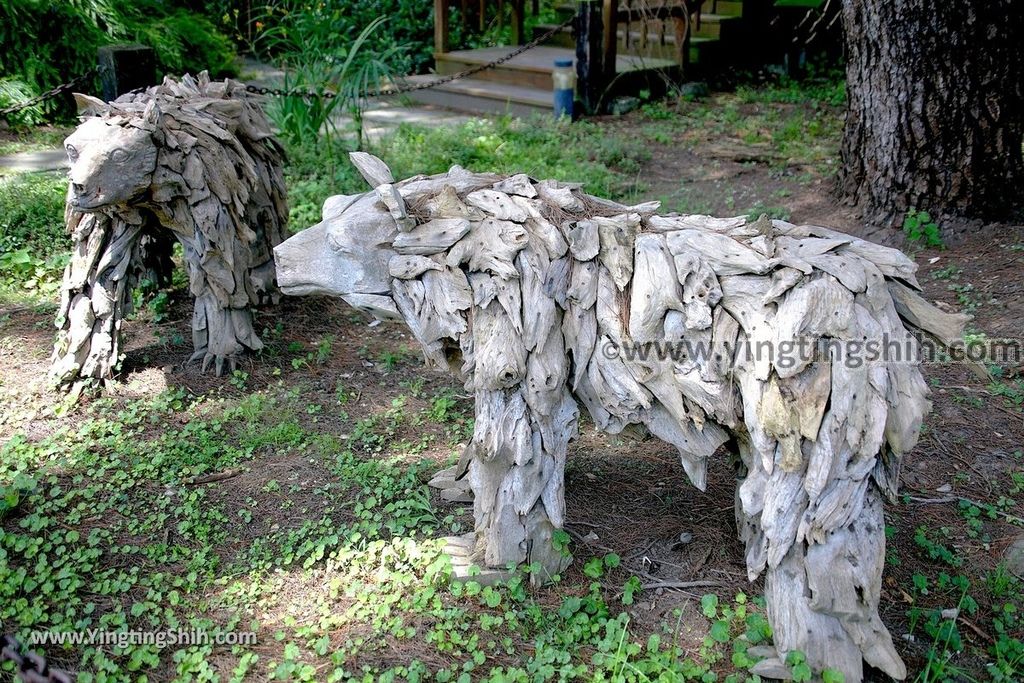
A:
[222,320]
[96,294]
[516,472]
[221,335]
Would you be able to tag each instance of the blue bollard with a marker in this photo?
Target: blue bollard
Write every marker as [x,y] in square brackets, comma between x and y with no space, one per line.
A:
[564,80]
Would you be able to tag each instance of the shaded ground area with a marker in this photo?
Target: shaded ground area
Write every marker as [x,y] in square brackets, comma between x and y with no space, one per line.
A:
[333,397]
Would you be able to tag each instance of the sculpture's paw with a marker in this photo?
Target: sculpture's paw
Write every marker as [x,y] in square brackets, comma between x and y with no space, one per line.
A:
[770,665]
[452,489]
[216,361]
[460,550]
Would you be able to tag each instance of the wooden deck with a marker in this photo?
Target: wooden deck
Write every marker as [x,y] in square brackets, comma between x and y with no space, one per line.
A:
[650,45]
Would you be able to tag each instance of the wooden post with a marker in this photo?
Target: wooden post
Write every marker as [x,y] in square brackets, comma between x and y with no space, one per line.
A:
[589,54]
[610,40]
[440,26]
[124,68]
[518,10]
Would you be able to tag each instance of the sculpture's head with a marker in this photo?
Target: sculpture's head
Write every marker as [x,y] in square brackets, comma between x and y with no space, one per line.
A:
[345,255]
[112,157]
[349,253]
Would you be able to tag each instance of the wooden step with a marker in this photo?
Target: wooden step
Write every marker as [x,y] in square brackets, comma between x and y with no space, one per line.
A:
[483,96]
[533,68]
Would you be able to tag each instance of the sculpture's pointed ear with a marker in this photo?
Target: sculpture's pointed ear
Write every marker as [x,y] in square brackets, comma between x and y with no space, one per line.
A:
[151,114]
[375,171]
[89,105]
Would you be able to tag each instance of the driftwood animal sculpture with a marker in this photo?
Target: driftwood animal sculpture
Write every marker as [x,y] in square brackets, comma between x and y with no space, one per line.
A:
[543,299]
[191,160]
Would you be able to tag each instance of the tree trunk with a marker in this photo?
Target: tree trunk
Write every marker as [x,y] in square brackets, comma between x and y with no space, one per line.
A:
[936,107]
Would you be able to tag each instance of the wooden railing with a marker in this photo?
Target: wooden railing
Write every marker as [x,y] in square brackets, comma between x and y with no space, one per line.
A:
[477,15]
[646,24]
[597,41]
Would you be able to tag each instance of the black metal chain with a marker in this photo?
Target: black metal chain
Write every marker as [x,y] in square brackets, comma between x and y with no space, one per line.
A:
[30,667]
[405,88]
[53,92]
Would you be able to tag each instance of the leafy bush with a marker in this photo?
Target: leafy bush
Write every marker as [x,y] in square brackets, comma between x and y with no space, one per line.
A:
[44,44]
[186,43]
[315,61]
[33,246]
[920,228]
[13,91]
[408,38]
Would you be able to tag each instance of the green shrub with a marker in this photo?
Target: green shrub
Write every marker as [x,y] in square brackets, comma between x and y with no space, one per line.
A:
[44,44]
[410,26]
[33,246]
[920,228]
[187,43]
[13,91]
[316,61]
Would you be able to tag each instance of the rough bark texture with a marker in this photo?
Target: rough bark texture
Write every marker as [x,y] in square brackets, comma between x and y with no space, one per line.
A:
[936,107]
[542,298]
[192,161]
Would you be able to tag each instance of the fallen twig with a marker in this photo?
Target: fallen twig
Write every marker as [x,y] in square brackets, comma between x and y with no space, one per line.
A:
[215,476]
[955,499]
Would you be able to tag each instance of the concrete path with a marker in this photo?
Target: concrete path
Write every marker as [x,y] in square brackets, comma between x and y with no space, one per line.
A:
[29,162]
[382,115]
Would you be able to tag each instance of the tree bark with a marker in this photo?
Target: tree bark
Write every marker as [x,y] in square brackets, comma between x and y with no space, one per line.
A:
[935,108]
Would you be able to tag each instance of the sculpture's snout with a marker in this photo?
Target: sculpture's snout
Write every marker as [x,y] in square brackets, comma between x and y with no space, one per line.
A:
[306,264]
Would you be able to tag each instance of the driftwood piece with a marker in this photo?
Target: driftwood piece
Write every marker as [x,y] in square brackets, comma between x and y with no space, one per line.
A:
[705,331]
[191,160]
[432,237]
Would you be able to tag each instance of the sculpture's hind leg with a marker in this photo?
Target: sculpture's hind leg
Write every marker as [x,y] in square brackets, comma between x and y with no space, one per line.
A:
[155,251]
[823,598]
[516,473]
[222,321]
[221,335]
[822,595]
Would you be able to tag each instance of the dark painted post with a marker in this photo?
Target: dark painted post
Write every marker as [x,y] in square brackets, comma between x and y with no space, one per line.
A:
[589,54]
[124,68]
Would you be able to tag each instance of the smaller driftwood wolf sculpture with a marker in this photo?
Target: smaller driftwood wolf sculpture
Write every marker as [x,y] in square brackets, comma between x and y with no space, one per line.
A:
[535,291]
[192,160]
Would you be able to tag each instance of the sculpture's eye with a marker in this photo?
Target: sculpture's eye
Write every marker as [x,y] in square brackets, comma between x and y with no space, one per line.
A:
[118,156]
[72,153]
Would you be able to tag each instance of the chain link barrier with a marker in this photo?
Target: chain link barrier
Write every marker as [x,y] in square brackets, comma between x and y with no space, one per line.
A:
[30,667]
[52,92]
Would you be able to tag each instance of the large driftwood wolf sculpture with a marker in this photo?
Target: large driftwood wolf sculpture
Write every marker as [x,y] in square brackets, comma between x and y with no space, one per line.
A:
[533,291]
[192,160]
